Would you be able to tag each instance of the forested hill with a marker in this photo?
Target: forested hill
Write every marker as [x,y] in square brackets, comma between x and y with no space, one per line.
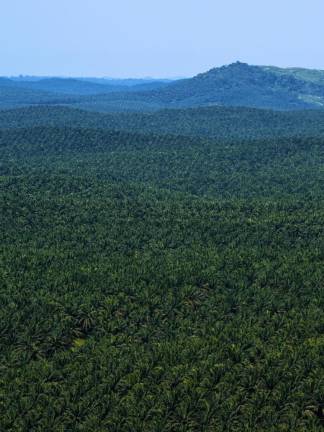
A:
[238,84]
[68,91]
[74,86]
[245,85]
[69,86]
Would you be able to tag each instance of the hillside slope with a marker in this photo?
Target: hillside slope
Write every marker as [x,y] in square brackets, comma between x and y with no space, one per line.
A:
[312,75]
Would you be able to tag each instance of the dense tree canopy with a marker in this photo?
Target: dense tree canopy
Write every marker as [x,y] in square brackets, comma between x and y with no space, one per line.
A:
[161,282]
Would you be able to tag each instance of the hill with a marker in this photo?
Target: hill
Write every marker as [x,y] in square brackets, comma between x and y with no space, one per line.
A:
[57,91]
[238,84]
[69,86]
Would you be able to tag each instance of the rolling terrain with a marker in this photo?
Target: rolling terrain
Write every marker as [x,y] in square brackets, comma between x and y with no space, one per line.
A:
[163,270]
[221,122]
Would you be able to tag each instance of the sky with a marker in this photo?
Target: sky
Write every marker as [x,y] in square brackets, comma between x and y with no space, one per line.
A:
[157,38]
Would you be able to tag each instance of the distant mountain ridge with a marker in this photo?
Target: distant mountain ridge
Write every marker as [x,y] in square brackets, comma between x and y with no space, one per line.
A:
[80,87]
[237,84]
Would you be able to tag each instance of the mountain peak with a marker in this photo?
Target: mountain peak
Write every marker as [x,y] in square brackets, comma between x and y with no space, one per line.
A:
[234,68]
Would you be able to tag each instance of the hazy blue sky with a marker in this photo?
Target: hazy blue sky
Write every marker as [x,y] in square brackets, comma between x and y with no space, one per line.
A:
[123,38]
